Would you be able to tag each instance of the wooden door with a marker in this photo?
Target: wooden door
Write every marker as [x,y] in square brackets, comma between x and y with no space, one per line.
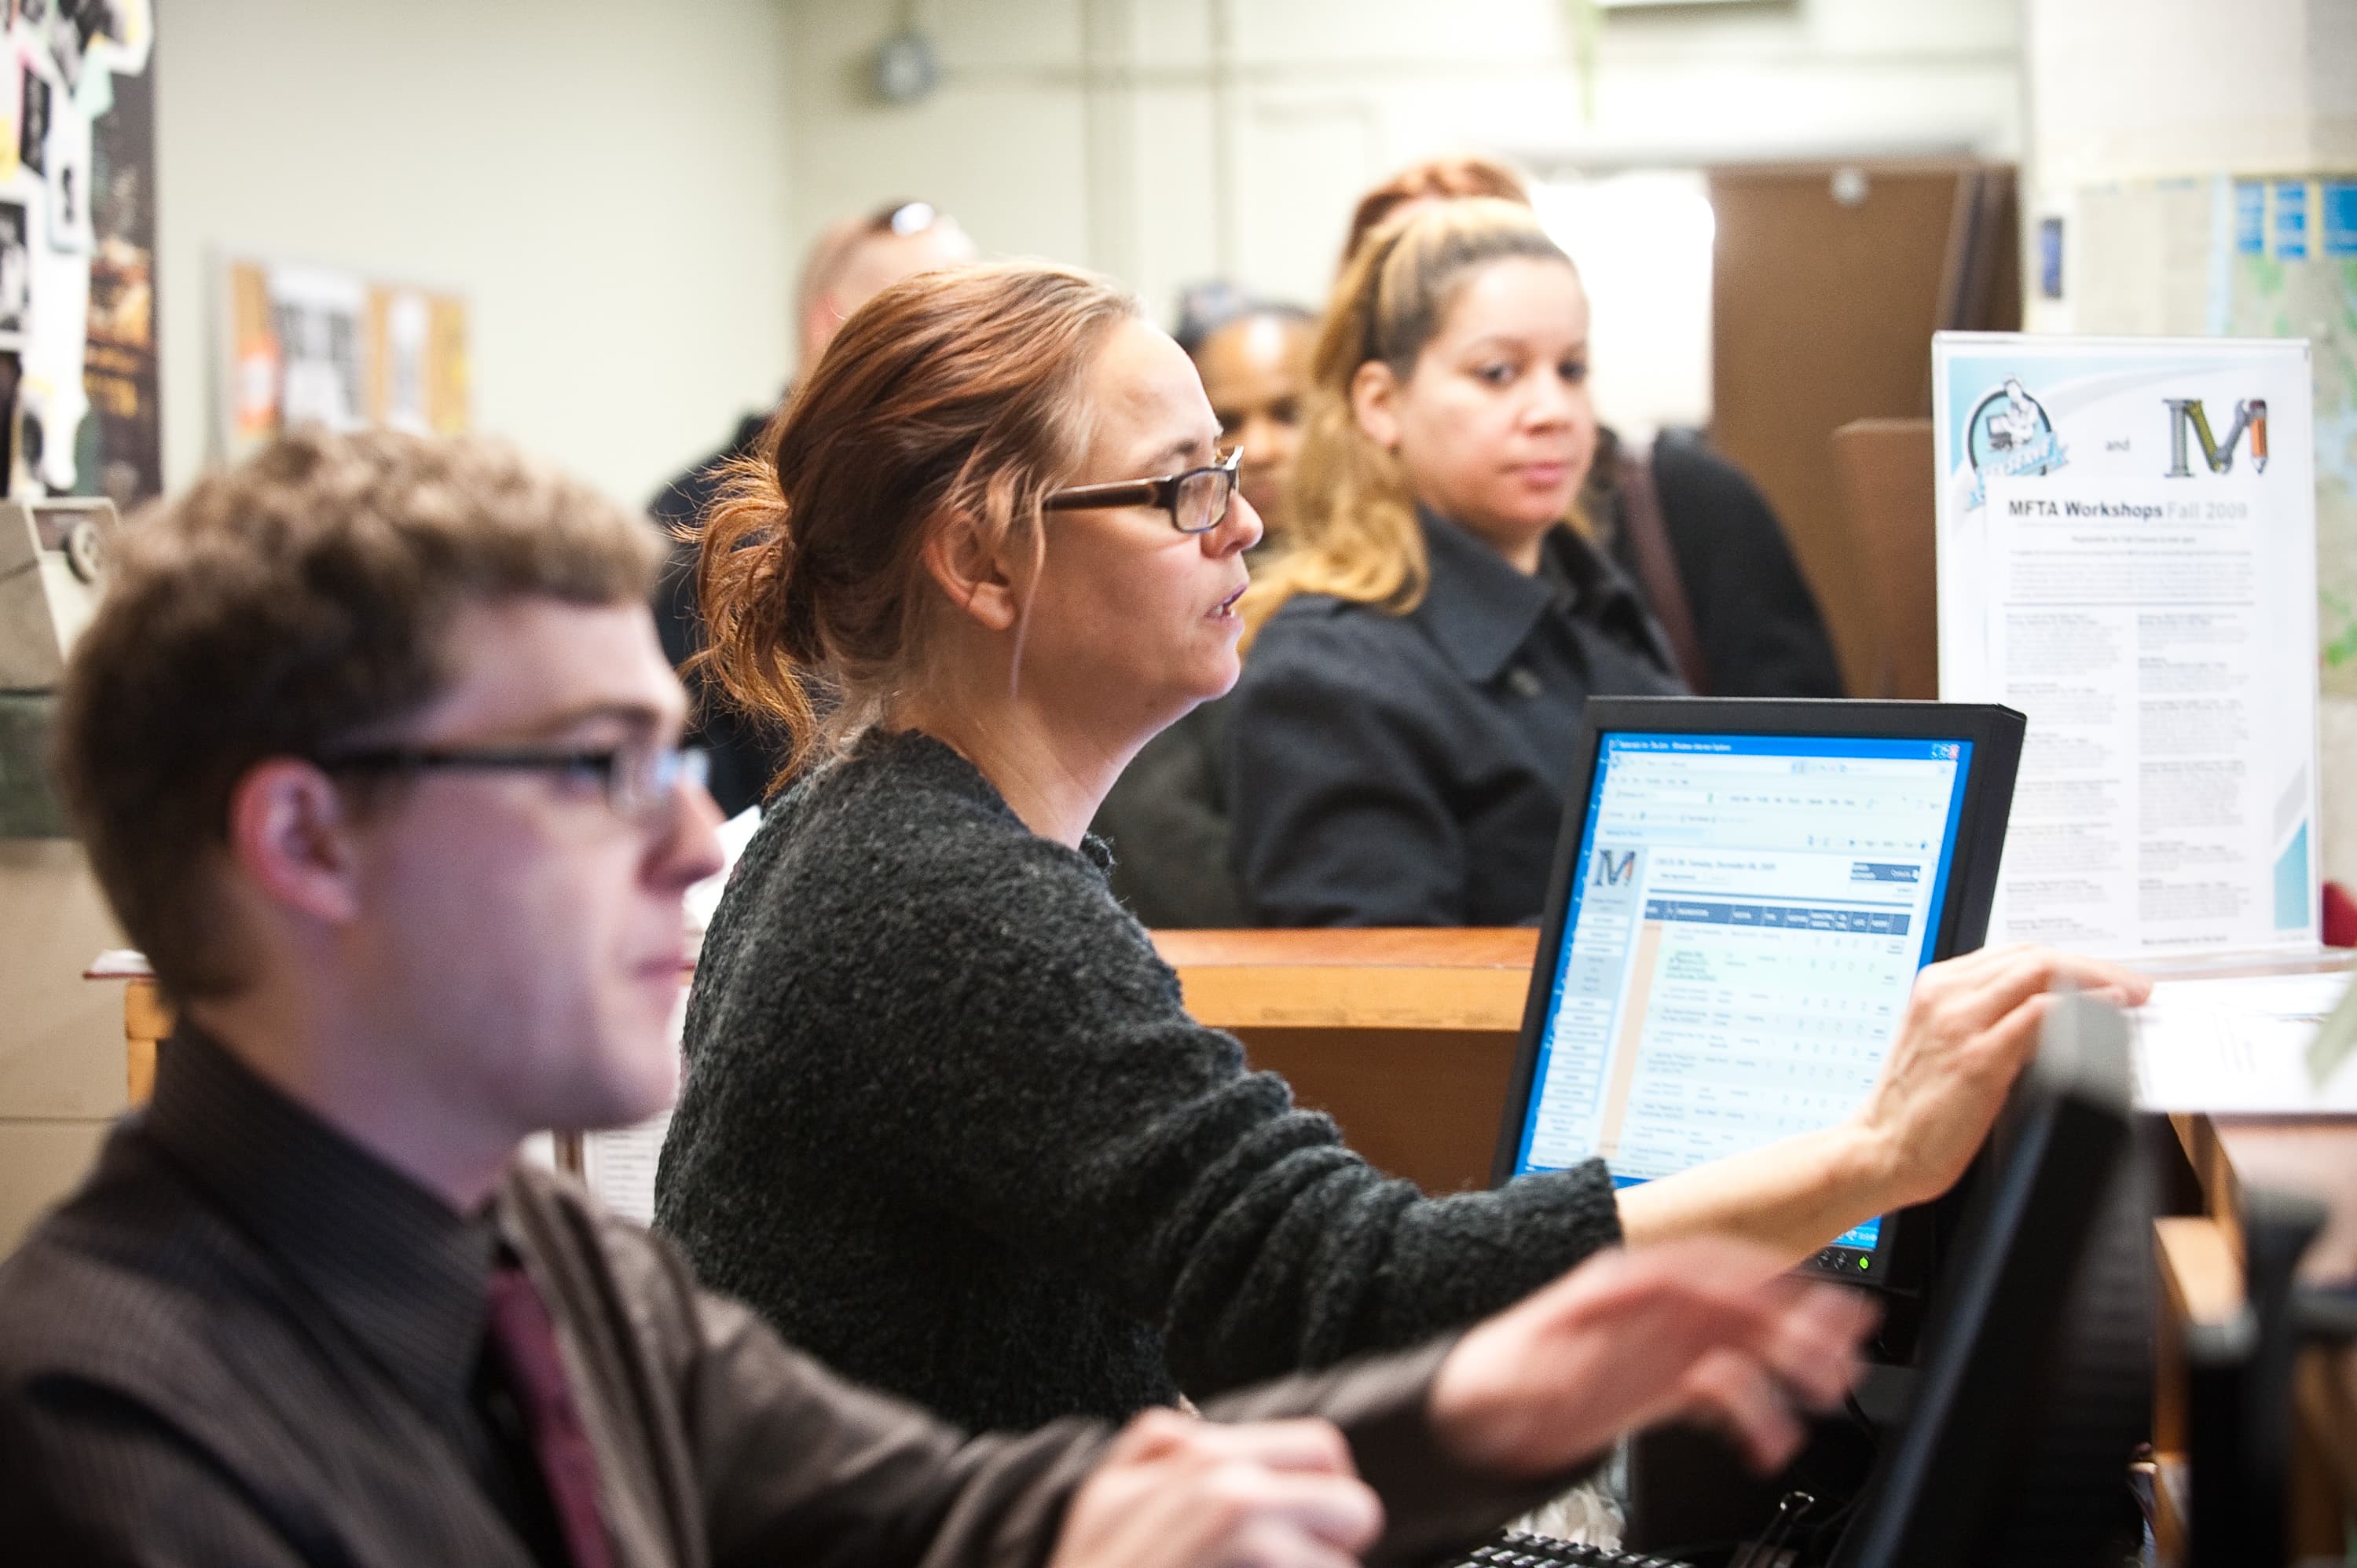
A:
[1825,291]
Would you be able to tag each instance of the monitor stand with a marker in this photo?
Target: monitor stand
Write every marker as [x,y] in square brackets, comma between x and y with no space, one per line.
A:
[1689,1489]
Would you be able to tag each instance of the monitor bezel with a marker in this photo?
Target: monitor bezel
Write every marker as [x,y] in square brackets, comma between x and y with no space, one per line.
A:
[1996,734]
[2040,1230]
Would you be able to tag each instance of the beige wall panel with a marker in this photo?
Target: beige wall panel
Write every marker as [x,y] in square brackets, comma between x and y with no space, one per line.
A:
[1178,209]
[61,1036]
[1402,34]
[2336,719]
[973,35]
[604,180]
[1300,165]
[1878,28]
[39,1163]
[2143,89]
[1178,35]
[1059,124]
[1392,33]
[1005,149]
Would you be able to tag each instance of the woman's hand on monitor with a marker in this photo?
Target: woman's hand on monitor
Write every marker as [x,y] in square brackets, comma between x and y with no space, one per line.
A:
[1972,1025]
[1704,1329]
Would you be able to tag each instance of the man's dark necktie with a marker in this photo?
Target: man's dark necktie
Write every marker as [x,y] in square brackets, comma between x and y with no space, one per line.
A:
[525,1337]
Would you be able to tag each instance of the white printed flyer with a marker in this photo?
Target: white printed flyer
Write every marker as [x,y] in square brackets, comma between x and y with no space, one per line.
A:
[2127,556]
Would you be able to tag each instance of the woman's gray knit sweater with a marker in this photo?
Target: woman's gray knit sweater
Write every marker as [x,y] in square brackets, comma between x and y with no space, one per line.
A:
[946,1125]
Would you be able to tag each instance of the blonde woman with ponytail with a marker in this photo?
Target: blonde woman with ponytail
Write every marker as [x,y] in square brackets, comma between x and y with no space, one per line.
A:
[1420,657]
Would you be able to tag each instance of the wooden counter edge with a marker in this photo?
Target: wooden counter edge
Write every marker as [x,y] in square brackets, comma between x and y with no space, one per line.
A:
[1278,998]
[1472,979]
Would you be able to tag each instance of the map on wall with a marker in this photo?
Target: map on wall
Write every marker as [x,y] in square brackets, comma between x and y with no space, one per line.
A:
[78,245]
[2251,258]
[2294,274]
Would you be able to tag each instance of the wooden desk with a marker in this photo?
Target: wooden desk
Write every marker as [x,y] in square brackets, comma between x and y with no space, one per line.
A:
[1405,1037]
[2200,1268]
[2200,1271]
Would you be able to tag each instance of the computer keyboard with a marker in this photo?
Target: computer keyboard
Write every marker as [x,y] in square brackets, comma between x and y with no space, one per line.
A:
[1513,1549]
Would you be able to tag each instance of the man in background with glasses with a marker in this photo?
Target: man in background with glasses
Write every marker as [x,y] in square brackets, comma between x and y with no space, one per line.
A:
[375,754]
[852,261]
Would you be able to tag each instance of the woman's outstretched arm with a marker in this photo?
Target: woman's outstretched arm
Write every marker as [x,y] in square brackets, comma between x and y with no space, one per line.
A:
[1971,1022]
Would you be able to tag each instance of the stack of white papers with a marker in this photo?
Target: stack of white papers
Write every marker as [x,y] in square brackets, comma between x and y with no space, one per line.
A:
[2243,1047]
[619,1165]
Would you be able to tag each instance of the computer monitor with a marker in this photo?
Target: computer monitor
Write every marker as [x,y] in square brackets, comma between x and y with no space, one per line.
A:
[1743,891]
[2029,1397]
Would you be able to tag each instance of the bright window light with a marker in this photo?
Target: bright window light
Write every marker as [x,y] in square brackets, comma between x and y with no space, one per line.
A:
[1642,243]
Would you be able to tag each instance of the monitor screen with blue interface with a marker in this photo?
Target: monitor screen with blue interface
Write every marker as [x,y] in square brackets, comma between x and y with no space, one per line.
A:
[1743,925]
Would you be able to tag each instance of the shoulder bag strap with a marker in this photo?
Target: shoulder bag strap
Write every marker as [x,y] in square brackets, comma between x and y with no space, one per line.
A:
[1657,566]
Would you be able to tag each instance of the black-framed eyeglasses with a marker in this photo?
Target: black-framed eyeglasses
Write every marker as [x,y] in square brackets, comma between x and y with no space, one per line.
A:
[641,782]
[1197,499]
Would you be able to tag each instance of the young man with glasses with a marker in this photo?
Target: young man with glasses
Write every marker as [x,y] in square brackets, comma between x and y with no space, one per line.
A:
[375,754]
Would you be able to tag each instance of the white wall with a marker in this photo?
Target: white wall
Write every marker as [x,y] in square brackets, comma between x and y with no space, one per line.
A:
[2134,91]
[1169,140]
[2150,88]
[61,1062]
[2126,90]
[603,179]
[1643,239]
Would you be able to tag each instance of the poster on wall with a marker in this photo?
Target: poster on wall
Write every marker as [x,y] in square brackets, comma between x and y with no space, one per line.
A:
[124,440]
[77,246]
[2127,555]
[316,345]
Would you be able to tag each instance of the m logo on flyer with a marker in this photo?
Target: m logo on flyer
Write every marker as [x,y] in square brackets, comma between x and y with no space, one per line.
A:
[2186,413]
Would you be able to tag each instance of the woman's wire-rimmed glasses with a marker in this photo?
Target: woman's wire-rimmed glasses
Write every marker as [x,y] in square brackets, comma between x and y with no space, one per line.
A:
[1197,499]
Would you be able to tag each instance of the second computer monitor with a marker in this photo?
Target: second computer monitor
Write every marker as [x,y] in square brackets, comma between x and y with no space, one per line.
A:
[1743,893]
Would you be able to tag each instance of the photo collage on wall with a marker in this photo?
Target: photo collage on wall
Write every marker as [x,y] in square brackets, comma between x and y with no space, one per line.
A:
[319,345]
[78,248]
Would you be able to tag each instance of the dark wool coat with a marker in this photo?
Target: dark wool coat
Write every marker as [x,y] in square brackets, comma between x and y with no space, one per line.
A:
[1409,769]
